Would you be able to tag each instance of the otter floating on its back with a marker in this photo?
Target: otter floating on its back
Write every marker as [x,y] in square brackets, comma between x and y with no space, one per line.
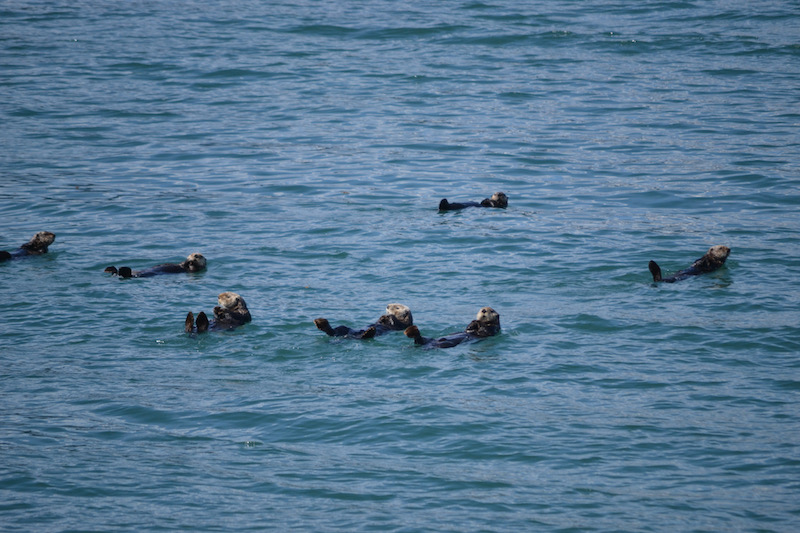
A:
[397,317]
[194,263]
[486,324]
[36,246]
[713,259]
[498,199]
[231,313]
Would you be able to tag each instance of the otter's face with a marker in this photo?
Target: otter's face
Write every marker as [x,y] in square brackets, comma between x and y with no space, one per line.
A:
[231,300]
[500,198]
[195,262]
[400,311]
[45,237]
[719,252]
[488,315]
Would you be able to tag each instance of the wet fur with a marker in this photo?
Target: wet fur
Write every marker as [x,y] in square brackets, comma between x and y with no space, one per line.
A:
[397,318]
[498,199]
[486,324]
[711,261]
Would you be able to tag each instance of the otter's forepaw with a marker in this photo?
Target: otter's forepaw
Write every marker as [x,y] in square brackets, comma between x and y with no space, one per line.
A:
[324,325]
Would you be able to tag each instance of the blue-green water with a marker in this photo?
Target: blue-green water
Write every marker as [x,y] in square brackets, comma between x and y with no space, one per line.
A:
[303,150]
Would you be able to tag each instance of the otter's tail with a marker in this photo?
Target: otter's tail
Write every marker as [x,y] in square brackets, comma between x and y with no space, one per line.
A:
[655,270]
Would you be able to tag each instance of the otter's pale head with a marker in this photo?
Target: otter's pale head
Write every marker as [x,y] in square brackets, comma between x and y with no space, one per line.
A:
[44,238]
[488,315]
[500,198]
[719,253]
[195,262]
[401,312]
[231,300]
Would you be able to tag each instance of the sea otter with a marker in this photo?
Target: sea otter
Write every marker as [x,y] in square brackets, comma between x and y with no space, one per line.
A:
[397,317]
[486,324]
[231,313]
[36,246]
[194,263]
[498,199]
[715,257]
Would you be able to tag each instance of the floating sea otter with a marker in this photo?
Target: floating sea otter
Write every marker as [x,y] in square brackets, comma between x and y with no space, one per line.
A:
[36,246]
[231,313]
[194,263]
[397,317]
[486,324]
[498,199]
[715,257]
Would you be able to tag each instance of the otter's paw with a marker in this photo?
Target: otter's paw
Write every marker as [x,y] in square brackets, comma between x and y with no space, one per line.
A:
[324,325]
[369,333]
[189,325]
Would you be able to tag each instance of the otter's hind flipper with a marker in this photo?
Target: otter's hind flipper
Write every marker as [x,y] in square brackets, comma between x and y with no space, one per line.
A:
[202,322]
[655,270]
[413,333]
[189,323]
[323,325]
[369,333]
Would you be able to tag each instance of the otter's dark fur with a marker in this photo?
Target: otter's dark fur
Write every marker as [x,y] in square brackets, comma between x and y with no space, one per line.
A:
[397,317]
[231,313]
[486,324]
[713,259]
[194,263]
[36,246]
[498,199]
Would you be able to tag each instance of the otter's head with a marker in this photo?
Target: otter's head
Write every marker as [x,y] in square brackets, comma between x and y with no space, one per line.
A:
[44,238]
[39,243]
[487,315]
[500,199]
[231,300]
[195,262]
[401,312]
[719,253]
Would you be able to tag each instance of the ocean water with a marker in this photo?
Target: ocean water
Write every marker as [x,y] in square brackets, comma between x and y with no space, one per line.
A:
[303,148]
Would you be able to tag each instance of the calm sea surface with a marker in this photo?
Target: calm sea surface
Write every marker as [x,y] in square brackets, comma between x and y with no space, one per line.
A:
[303,149]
